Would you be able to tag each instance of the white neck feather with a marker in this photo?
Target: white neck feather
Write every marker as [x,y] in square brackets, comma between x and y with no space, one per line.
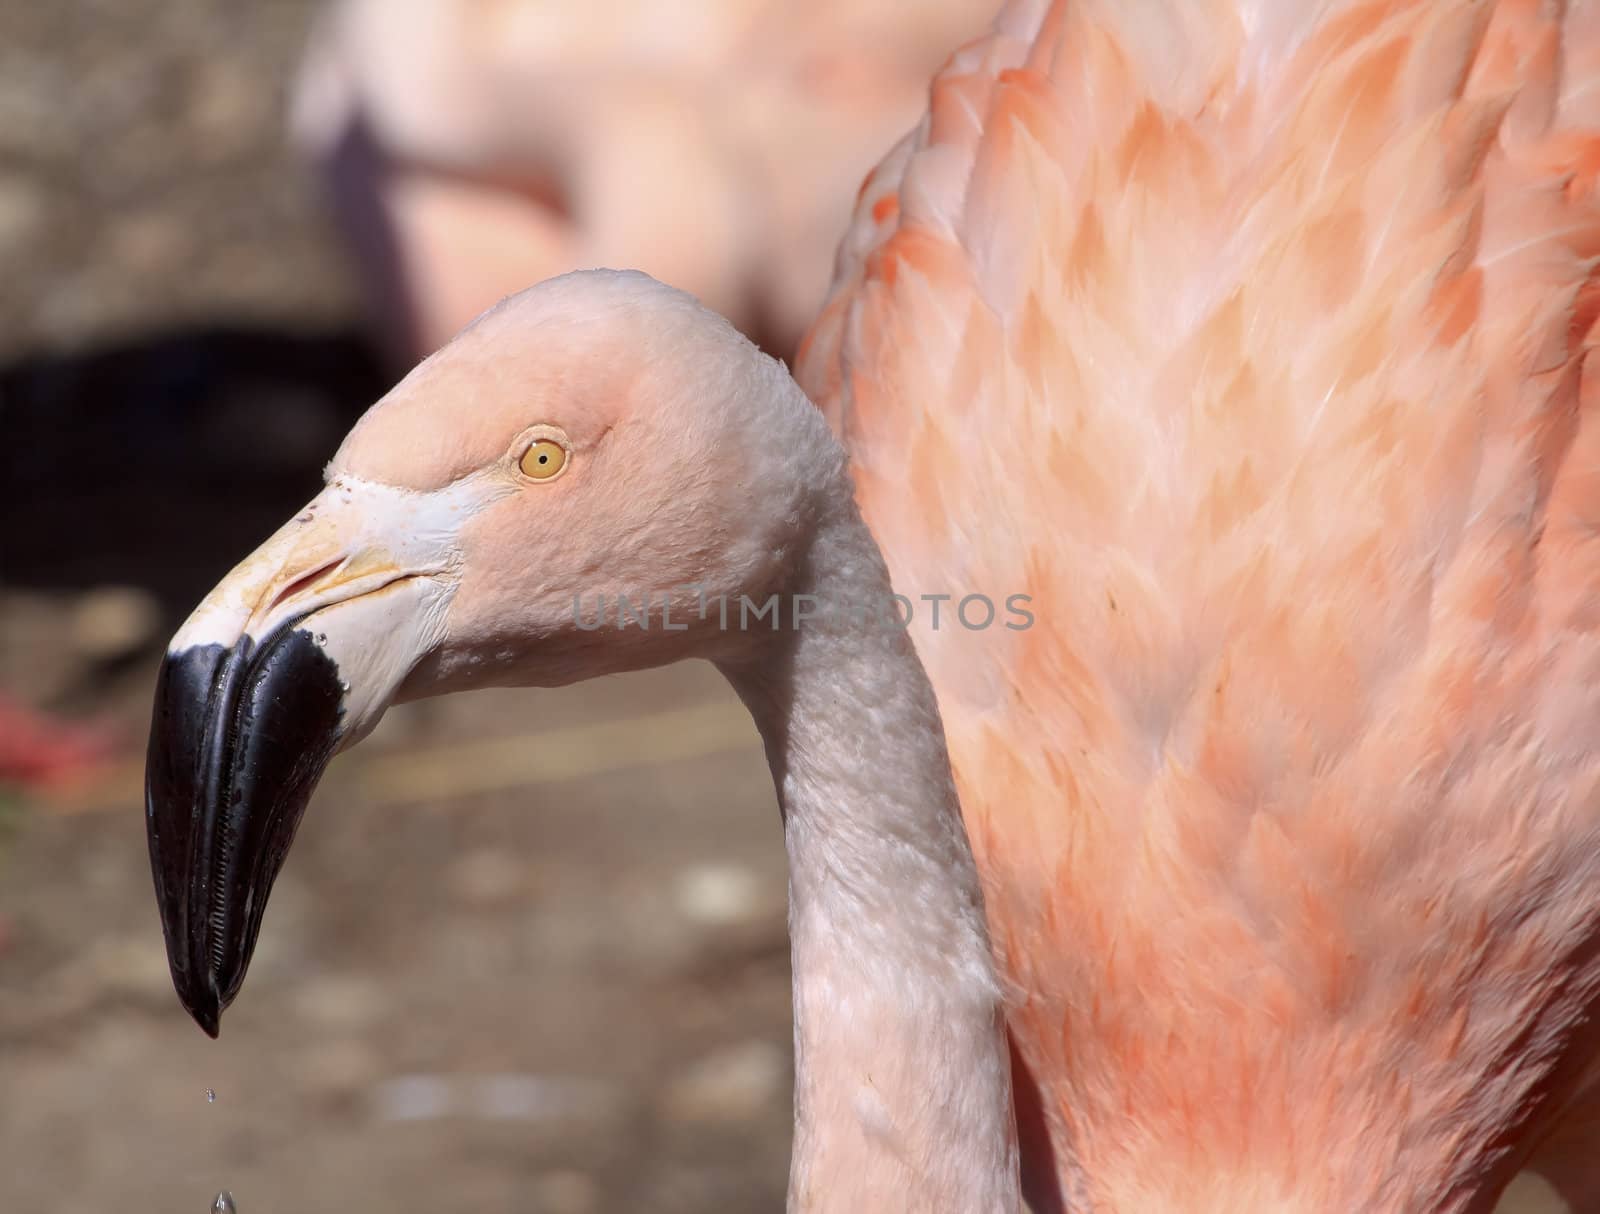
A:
[903,1084]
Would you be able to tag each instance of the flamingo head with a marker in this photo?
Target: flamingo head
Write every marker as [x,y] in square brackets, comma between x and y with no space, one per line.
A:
[597,438]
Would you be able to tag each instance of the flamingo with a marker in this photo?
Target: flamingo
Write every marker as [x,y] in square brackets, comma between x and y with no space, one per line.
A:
[1252,340]
[1249,342]
[603,435]
[471,147]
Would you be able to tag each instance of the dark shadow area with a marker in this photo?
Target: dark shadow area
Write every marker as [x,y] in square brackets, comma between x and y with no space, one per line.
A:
[159,462]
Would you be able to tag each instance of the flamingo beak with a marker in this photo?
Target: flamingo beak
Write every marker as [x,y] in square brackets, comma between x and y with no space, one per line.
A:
[292,657]
[239,738]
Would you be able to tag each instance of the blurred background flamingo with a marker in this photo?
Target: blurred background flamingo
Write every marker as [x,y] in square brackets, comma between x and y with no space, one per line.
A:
[471,147]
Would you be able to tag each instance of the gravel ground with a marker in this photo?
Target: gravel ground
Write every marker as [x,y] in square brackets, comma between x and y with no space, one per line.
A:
[145,181]
[528,953]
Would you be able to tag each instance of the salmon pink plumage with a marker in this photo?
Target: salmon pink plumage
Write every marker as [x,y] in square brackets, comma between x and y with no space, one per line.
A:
[1251,340]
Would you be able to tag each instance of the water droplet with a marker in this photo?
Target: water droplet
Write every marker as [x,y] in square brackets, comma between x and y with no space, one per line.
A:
[211,1098]
[224,1204]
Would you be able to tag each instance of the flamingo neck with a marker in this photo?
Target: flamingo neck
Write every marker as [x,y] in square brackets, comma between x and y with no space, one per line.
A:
[902,1077]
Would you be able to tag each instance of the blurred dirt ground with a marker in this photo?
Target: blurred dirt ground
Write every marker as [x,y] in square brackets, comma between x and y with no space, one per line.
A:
[566,991]
[528,953]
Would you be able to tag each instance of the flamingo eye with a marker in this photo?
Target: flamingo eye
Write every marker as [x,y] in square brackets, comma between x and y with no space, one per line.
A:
[543,459]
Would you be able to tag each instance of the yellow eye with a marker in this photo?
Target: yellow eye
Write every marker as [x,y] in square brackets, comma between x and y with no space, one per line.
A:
[543,459]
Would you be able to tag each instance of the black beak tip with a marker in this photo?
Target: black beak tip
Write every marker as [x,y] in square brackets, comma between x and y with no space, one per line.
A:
[209,1017]
[238,740]
[199,997]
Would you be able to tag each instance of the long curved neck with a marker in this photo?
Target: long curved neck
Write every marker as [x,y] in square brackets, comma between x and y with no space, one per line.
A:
[902,1084]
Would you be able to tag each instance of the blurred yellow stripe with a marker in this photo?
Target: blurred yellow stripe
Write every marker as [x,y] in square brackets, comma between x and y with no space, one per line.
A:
[450,770]
[468,768]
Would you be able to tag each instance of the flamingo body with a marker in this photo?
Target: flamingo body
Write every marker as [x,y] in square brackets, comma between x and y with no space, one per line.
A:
[1250,341]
